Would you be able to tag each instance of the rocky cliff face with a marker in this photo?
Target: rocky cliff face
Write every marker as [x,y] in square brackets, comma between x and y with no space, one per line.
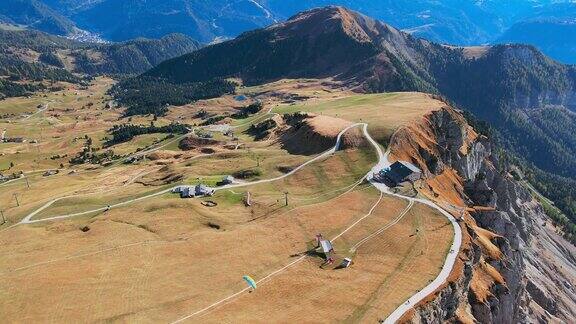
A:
[513,267]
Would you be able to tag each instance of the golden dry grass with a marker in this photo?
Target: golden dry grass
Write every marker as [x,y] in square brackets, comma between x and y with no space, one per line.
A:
[157,260]
[384,113]
[178,264]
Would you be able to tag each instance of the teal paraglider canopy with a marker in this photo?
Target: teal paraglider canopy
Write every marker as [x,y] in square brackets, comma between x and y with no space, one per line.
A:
[250,281]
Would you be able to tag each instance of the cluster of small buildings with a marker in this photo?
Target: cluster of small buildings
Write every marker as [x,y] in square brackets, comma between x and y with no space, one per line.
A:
[199,190]
[11,176]
[5,139]
[133,159]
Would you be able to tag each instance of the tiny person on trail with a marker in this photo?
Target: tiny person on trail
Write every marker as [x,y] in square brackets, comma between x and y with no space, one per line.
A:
[107,208]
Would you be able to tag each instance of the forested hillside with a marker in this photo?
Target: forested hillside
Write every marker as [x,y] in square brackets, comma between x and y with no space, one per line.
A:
[152,95]
[16,65]
[17,70]
[12,89]
[130,57]
[35,14]
[526,96]
[35,56]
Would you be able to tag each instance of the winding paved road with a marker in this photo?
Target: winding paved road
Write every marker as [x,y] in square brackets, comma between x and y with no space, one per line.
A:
[454,248]
[319,157]
[28,219]
[383,162]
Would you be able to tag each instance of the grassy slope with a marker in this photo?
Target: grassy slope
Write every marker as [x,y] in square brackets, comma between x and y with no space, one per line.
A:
[167,234]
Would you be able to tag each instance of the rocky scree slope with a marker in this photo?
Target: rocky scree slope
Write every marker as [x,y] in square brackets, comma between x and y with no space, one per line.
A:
[513,267]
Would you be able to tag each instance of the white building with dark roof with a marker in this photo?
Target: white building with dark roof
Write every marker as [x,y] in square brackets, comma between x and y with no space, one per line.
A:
[399,172]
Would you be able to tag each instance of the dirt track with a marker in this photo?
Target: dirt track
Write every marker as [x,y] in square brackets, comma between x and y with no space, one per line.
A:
[364,240]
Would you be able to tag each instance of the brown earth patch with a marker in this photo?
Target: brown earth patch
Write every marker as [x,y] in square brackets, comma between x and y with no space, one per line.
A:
[193,142]
[166,175]
[317,133]
[163,155]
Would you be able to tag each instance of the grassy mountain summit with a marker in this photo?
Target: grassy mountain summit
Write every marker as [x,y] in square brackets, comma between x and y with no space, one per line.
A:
[330,41]
[311,44]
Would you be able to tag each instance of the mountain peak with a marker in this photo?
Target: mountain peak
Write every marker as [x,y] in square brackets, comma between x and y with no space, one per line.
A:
[324,13]
[320,42]
[326,20]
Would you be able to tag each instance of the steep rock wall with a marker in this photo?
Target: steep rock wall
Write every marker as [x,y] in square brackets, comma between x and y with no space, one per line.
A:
[513,267]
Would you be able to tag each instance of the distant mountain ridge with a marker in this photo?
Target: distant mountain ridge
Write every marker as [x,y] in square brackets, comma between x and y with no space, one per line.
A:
[551,30]
[501,84]
[203,20]
[456,22]
[132,57]
[35,14]
[33,56]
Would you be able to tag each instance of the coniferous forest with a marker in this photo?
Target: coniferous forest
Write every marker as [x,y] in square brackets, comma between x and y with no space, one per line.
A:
[150,95]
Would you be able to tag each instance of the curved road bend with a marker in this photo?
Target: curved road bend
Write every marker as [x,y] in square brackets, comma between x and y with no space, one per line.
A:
[28,219]
[382,163]
[454,248]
